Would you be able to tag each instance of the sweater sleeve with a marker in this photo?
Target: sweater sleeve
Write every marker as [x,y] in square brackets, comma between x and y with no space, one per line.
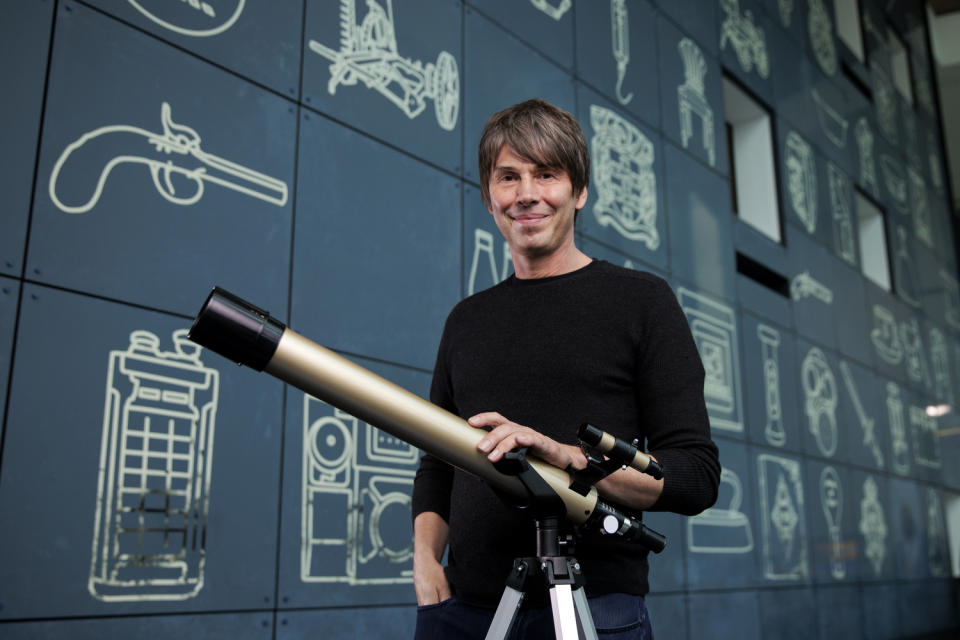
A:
[673,414]
[434,479]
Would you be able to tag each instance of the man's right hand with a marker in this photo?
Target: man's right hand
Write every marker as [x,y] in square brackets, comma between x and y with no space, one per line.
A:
[429,540]
[429,581]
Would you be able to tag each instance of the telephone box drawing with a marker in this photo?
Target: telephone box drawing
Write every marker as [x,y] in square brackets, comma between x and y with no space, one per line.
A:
[623,172]
[153,489]
[782,521]
[197,18]
[715,332]
[368,53]
[357,482]
[180,168]
[841,201]
[770,340]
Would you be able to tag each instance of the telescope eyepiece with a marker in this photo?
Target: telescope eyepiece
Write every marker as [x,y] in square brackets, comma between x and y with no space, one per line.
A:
[237,330]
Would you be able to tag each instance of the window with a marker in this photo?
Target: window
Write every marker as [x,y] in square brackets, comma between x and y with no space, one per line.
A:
[752,175]
[847,15]
[873,242]
[900,65]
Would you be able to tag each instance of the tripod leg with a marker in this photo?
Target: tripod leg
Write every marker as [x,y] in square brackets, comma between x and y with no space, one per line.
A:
[584,618]
[506,612]
[564,612]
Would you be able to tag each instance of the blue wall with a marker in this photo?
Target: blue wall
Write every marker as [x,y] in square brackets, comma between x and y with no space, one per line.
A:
[154,149]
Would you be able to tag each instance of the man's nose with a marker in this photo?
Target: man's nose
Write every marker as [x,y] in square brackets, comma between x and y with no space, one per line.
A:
[527,191]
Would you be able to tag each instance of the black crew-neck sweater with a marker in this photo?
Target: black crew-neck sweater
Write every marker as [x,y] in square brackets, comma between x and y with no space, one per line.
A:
[604,345]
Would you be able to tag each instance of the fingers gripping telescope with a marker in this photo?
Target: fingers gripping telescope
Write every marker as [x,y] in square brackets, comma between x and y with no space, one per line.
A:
[242,332]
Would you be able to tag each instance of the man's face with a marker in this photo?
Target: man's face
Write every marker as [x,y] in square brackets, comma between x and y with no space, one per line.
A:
[532,205]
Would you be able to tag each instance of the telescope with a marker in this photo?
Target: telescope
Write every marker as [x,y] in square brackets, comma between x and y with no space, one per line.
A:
[248,335]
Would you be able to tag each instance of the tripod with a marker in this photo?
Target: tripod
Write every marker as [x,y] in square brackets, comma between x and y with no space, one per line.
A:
[555,567]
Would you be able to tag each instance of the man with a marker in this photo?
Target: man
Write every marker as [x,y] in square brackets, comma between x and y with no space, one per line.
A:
[564,341]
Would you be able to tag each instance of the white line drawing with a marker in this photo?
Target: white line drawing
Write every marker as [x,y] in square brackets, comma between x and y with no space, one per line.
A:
[833,125]
[820,28]
[911,141]
[873,525]
[355,524]
[820,389]
[692,98]
[933,158]
[802,180]
[885,336]
[940,363]
[885,102]
[620,42]
[206,15]
[868,165]
[900,450]
[769,341]
[781,511]
[153,485]
[483,243]
[554,11]
[748,40]
[841,201]
[922,225]
[867,424]
[913,353]
[786,11]
[724,530]
[926,440]
[951,295]
[626,184]
[804,285]
[831,499]
[870,26]
[937,553]
[715,332]
[903,267]
[368,52]
[895,181]
[175,140]
[923,90]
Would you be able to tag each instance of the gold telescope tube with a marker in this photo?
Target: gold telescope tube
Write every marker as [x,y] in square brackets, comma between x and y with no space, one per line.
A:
[246,334]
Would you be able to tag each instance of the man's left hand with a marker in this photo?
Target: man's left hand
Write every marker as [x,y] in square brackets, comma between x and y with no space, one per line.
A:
[506,435]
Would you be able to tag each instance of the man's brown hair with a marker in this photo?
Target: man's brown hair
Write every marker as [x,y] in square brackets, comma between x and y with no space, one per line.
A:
[540,133]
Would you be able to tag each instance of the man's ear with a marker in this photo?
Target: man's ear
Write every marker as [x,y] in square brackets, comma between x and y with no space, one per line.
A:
[581,199]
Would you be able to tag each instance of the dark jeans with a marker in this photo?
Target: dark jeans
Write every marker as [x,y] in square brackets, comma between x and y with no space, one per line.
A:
[617,616]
